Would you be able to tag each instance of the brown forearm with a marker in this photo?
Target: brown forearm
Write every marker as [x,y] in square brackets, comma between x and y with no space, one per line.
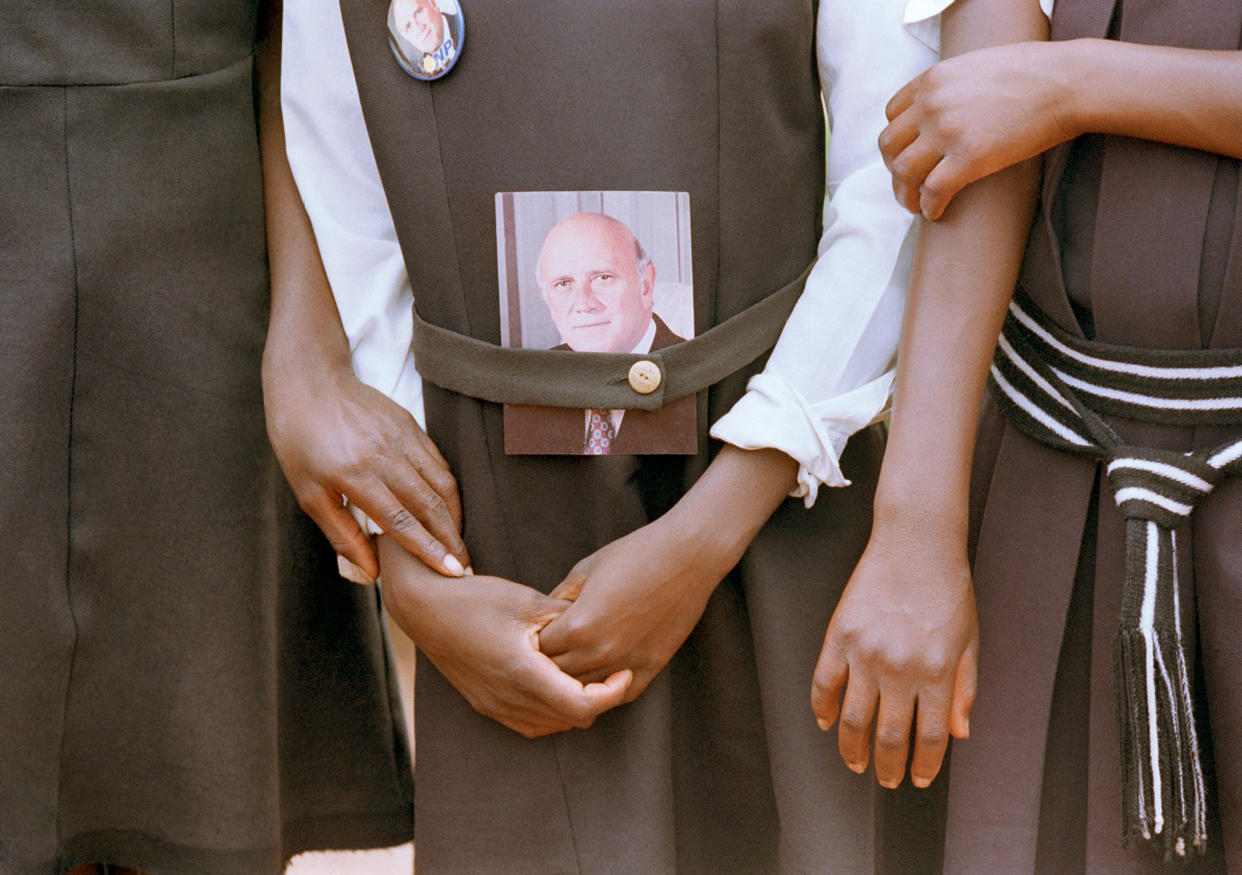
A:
[1187,97]
[726,507]
[965,267]
[963,277]
[305,329]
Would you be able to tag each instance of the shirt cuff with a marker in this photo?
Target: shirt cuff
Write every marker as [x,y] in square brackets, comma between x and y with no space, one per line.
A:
[774,415]
[922,21]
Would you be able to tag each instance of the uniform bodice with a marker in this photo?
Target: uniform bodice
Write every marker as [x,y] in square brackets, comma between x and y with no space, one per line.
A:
[114,42]
[1134,239]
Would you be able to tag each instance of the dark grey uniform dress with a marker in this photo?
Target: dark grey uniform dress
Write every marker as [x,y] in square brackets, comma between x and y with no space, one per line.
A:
[185,684]
[718,766]
[1136,244]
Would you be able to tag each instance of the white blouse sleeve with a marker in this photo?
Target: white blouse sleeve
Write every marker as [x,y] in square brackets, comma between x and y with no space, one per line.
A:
[830,373]
[923,19]
[330,154]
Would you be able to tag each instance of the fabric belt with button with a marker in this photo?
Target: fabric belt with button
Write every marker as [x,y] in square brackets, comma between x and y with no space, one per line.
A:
[609,381]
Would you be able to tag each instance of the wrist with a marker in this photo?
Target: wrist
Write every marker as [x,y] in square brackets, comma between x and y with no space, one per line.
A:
[1076,81]
[723,511]
[414,593]
[930,513]
[931,549]
[297,344]
[283,364]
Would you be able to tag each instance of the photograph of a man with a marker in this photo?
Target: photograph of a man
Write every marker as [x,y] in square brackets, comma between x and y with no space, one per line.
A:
[425,37]
[599,287]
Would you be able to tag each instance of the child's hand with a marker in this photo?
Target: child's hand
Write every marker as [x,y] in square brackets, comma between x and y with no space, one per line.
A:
[482,633]
[902,646]
[970,116]
[634,601]
[337,437]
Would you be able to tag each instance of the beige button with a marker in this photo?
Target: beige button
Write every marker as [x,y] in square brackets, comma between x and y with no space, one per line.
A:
[644,377]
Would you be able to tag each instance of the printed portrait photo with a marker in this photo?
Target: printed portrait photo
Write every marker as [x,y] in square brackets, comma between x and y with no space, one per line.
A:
[596,272]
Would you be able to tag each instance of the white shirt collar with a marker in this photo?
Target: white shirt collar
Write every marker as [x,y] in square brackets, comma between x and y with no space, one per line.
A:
[648,339]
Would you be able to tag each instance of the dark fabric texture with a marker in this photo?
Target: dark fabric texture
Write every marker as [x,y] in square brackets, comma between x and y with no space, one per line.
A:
[1135,244]
[718,766]
[188,686]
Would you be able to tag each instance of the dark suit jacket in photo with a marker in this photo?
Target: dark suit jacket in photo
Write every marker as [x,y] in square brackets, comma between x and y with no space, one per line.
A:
[561,431]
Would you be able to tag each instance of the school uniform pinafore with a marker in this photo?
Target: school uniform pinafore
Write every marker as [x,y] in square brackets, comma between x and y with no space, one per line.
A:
[718,766]
[1136,244]
[187,685]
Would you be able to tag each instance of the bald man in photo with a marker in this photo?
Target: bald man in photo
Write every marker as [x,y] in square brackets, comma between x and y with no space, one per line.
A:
[599,286]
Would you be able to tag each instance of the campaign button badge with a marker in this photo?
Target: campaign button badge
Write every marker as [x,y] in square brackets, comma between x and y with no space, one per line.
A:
[426,36]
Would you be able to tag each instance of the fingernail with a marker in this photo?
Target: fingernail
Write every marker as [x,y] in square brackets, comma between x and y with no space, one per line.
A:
[352,572]
[823,724]
[857,768]
[889,785]
[469,571]
[453,566]
[921,783]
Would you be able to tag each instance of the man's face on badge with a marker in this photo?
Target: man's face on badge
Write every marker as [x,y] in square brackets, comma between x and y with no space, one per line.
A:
[589,276]
[420,23]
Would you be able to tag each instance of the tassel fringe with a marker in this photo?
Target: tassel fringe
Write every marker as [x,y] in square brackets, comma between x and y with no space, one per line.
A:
[1163,791]
[1156,491]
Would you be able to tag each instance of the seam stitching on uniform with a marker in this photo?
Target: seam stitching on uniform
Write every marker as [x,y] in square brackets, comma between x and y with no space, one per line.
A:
[573,837]
[172,38]
[448,203]
[465,312]
[133,82]
[569,811]
[73,385]
[712,302]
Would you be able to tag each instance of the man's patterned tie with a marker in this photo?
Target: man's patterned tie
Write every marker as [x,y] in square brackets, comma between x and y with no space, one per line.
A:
[600,434]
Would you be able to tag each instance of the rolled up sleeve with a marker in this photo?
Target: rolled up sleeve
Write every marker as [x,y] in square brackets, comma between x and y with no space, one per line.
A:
[831,371]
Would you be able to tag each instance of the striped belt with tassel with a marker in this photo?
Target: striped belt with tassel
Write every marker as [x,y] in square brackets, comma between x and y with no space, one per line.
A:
[1055,388]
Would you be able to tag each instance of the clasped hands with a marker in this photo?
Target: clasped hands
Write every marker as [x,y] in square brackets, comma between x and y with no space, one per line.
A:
[536,663]
[539,663]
